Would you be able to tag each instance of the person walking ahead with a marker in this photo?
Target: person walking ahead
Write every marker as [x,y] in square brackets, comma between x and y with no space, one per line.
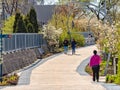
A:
[65,43]
[95,61]
[73,45]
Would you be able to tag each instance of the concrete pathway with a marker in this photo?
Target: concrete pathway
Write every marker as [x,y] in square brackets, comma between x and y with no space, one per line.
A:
[61,72]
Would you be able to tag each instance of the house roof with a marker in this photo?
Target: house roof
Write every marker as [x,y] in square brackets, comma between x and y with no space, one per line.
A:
[44,12]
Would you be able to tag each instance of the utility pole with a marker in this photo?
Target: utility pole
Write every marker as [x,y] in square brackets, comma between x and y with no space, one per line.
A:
[1,42]
[1,58]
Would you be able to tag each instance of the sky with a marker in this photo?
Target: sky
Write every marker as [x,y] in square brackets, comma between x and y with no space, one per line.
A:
[49,2]
[54,1]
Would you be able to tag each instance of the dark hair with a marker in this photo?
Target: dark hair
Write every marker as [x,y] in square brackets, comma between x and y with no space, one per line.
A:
[95,52]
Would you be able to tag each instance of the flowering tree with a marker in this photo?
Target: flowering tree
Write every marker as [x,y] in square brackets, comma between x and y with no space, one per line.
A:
[51,35]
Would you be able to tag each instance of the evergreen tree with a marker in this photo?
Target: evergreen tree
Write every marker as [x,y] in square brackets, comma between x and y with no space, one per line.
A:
[17,16]
[21,26]
[26,20]
[30,28]
[33,19]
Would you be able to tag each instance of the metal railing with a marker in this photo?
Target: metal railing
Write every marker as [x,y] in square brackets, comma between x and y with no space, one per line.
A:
[22,41]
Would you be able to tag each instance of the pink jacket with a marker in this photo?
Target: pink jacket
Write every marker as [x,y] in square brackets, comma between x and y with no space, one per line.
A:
[95,60]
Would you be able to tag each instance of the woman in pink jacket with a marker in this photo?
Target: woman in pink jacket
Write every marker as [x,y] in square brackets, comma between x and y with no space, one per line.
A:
[95,61]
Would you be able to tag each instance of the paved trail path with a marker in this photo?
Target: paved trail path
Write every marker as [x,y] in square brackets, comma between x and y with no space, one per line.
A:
[60,73]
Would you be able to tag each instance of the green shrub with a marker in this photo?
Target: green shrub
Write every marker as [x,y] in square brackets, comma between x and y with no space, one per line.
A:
[102,67]
[110,78]
[118,74]
[79,38]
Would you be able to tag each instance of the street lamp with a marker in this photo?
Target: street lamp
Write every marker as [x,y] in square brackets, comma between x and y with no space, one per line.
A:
[69,33]
[88,29]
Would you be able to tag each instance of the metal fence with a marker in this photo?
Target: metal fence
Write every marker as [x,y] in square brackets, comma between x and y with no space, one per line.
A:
[22,41]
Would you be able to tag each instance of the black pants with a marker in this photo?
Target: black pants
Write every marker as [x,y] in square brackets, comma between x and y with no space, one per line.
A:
[95,70]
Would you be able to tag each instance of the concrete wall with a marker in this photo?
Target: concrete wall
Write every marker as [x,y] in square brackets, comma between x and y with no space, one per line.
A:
[20,59]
